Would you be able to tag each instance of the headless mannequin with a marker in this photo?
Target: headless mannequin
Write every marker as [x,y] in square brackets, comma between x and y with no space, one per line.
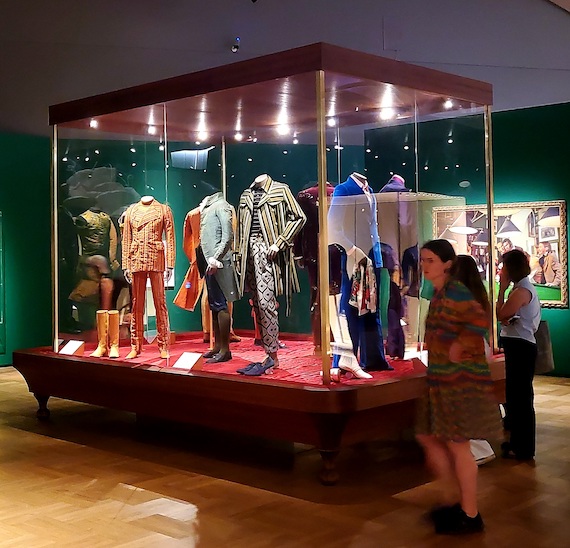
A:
[356,254]
[366,329]
[339,326]
[216,238]
[140,225]
[147,200]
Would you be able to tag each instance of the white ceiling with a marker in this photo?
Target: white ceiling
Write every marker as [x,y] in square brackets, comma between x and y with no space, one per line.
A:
[62,50]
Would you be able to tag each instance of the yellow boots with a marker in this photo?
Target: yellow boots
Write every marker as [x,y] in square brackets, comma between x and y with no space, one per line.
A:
[107,333]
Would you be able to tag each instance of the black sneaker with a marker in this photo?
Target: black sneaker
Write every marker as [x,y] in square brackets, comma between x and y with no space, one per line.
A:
[461,524]
[441,515]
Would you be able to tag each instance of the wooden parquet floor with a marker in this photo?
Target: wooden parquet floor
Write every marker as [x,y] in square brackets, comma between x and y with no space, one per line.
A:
[93,477]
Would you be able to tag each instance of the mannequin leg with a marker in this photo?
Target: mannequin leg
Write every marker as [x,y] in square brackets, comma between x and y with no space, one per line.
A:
[224,321]
[137,313]
[206,315]
[263,296]
[102,327]
[162,323]
[217,339]
[256,330]
[221,321]
[311,268]
[106,293]
[233,336]
[113,329]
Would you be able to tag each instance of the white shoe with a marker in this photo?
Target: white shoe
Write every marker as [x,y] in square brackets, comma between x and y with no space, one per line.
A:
[347,364]
[482,451]
[484,460]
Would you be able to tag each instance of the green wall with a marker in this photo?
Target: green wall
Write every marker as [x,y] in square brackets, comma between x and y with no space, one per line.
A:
[24,202]
[532,162]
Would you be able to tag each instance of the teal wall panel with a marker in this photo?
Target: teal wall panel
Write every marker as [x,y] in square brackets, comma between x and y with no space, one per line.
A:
[532,162]
[25,206]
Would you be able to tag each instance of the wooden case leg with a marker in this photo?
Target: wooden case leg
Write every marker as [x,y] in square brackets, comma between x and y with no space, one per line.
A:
[330,429]
[43,412]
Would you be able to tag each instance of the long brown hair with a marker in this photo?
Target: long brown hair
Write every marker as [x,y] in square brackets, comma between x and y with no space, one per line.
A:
[467,273]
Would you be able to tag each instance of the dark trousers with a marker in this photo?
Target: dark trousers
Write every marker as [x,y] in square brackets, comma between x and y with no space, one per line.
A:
[520,420]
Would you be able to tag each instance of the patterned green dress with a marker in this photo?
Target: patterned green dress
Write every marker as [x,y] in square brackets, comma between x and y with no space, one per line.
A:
[459,403]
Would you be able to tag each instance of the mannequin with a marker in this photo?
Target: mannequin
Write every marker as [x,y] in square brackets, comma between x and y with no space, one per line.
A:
[144,257]
[358,235]
[307,255]
[193,285]
[216,239]
[269,218]
[98,260]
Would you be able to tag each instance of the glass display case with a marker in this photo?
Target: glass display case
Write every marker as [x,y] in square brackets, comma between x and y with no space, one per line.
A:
[329,164]
[260,217]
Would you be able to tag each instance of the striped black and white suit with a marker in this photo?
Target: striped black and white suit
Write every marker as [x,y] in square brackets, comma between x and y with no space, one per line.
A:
[280,219]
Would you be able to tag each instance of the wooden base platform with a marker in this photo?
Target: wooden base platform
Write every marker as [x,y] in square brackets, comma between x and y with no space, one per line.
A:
[327,417]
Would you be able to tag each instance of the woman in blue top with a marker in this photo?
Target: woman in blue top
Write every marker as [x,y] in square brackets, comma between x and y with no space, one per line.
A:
[519,316]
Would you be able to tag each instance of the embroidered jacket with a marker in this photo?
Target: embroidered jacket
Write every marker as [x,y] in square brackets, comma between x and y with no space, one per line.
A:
[143,248]
[98,235]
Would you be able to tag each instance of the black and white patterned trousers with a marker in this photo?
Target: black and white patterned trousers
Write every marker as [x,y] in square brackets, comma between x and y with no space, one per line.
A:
[260,282]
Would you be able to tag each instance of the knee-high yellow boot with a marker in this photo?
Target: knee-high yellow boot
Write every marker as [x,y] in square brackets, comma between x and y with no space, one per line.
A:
[113,333]
[102,327]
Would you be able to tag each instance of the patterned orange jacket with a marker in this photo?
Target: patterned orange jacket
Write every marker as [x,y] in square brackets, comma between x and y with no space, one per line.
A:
[143,247]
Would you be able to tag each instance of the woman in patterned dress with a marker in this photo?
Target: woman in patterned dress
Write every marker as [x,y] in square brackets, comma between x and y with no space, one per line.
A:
[459,404]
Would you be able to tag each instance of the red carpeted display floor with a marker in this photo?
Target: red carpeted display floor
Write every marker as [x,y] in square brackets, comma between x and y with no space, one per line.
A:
[297,362]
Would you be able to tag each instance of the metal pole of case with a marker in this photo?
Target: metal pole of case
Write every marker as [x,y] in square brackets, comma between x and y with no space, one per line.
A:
[54,241]
[224,172]
[323,229]
[490,193]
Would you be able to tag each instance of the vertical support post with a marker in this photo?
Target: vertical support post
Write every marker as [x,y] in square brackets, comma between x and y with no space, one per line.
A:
[54,240]
[224,169]
[323,228]
[490,195]
[165,128]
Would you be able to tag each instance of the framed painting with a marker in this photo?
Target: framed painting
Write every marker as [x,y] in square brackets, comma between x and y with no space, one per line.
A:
[537,228]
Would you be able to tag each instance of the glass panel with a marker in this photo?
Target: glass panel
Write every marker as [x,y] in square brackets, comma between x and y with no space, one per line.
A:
[195,175]
[105,164]
[222,142]
[419,151]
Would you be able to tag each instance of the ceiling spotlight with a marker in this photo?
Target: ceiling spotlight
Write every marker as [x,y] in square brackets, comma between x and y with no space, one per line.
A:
[235,45]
